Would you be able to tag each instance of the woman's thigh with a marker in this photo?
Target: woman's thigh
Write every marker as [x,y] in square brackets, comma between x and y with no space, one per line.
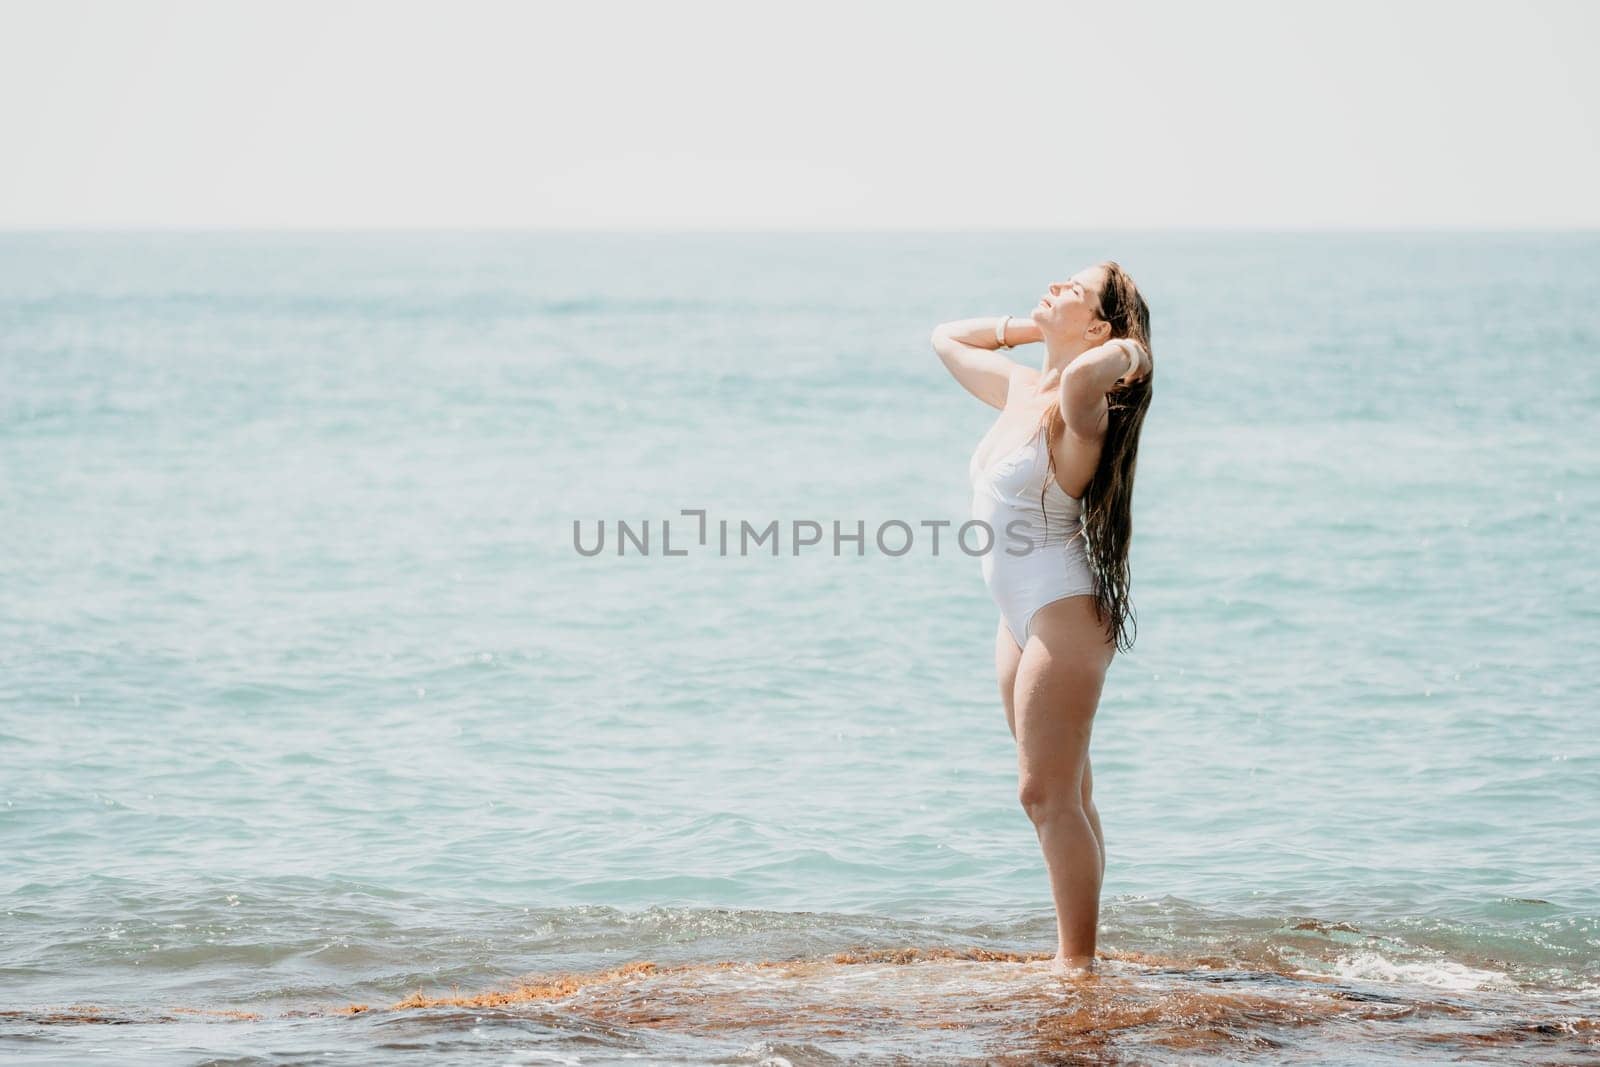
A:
[1059,678]
[1007,654]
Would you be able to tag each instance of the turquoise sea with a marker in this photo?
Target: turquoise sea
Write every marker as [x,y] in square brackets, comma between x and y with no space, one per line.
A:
[308,702]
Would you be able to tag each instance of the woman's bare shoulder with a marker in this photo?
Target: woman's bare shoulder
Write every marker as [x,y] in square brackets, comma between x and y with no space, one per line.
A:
[1022,391]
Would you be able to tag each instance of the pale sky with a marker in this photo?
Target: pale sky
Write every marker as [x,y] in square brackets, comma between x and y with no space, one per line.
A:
[814,115]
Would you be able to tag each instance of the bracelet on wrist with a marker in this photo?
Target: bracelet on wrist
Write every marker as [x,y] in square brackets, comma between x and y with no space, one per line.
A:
[1131,348]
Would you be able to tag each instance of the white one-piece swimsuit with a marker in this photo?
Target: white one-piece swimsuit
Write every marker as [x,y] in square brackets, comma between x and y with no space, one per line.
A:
[1038,554]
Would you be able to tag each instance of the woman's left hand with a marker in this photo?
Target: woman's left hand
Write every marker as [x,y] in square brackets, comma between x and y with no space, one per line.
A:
[1139,361]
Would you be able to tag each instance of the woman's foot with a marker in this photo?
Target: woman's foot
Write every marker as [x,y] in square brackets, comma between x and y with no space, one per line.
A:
[1072,966]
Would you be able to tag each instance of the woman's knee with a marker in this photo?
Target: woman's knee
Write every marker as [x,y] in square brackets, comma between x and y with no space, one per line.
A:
[1043,798]
[1044,792]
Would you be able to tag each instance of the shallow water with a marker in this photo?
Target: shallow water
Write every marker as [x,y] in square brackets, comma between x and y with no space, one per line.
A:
[309,702]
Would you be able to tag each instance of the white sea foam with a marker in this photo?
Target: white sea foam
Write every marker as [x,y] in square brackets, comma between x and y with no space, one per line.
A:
[1436,973]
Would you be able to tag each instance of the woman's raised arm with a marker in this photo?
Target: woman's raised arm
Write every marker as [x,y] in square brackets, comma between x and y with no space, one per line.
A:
[1089,377]
[970,351]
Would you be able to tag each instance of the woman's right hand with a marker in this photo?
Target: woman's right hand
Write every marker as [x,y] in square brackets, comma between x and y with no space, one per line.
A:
[1023,331]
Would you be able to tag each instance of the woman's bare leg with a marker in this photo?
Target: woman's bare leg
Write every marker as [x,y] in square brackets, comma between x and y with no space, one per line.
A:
[1059,679]
[1093,812]
[1007,656]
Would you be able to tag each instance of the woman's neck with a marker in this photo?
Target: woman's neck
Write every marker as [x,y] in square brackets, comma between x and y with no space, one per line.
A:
[1059,353]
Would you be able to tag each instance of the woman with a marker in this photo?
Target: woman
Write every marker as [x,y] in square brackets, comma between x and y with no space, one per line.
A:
[1053,478]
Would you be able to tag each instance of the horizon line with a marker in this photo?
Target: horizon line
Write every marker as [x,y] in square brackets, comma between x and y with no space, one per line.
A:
[488,228]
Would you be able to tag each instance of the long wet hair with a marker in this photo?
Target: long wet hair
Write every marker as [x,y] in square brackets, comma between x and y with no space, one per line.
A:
[1108,502]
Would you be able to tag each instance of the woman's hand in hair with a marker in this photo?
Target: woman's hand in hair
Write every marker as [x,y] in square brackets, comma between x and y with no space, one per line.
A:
[1139,361]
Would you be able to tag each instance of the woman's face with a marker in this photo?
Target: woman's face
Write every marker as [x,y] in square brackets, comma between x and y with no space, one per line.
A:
[1070,310]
